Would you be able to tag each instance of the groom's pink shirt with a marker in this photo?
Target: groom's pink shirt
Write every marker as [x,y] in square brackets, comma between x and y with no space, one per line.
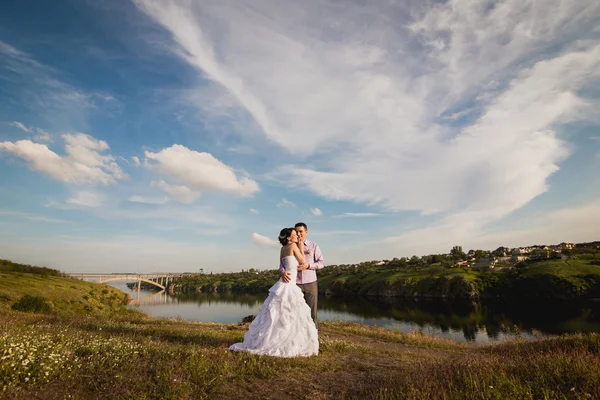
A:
[314,259]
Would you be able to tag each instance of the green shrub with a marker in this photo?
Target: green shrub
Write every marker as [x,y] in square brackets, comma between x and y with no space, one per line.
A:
[10,266]
[35,304]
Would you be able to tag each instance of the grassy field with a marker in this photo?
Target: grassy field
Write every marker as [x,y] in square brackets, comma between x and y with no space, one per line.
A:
[562,268]
[65,296]
[93,348]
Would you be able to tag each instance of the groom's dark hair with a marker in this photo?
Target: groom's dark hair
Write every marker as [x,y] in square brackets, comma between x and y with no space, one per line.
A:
[301,224]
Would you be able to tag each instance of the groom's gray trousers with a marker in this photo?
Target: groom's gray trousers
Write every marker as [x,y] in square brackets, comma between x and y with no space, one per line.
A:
[311,293]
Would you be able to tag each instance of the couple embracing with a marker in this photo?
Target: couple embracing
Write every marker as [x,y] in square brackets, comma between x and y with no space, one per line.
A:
[286,325]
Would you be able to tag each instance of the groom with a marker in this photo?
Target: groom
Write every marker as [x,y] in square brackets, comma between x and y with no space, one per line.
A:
[307,275]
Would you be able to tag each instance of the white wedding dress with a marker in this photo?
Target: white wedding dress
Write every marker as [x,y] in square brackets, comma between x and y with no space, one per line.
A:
[283,326]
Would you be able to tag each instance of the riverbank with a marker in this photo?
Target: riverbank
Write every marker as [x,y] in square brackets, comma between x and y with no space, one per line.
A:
[543,279]
[108,351]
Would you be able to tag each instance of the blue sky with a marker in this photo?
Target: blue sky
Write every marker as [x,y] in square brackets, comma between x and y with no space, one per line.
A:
[151,135]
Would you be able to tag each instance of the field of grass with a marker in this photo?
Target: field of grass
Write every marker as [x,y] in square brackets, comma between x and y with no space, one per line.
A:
[571,267]
[93,348]
[65,296]
[139,358]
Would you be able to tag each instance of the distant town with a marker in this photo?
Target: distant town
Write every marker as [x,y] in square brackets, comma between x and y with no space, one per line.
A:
[501,259]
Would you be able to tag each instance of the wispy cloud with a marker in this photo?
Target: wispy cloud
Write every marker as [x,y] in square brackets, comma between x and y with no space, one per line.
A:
[254,211]
[21,126]
[574,223]
[136,161]
[180,193]
[31,217]
[316,212]
[380,93]
[357,215]
[148,200]
[42,136]
[40,89]
[87,199]
[261,240]
[285,203]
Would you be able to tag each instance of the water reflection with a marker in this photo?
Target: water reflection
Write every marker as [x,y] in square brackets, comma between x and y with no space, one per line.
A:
[464,321]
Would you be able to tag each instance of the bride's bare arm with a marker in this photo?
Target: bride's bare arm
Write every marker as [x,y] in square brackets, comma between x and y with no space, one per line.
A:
[298,254]
[285,276]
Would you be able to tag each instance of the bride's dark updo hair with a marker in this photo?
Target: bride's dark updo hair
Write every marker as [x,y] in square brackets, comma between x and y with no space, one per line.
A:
[284,235]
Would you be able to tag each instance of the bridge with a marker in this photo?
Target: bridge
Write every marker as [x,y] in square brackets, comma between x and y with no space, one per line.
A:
[157,298]
[160,280]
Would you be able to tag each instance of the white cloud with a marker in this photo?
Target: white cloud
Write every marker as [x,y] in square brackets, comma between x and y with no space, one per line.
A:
[42,136]
[285,203]
[502,161]
[148,200]
[199,170]
[180,193]
[136,161]
[21,126]
[83,163]
[81,140]
[572,224]
[264,241]
[254,211]
[245,150]
[508,33]
[87,199]
[316,212]
[376,108]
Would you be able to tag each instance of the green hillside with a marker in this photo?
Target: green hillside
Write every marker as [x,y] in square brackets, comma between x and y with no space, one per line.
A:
[63,296]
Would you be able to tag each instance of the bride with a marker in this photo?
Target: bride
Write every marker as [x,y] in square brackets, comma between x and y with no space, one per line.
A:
[283,326]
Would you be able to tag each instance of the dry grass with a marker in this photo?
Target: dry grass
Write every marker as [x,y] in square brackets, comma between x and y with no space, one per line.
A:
[113,353]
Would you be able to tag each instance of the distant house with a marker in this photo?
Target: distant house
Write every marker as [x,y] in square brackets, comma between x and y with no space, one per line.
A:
[485,263]
[380,263]
[519,251]
[517,259]
[566,246]
[462,263]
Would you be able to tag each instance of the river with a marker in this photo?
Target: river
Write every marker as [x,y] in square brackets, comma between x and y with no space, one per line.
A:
[461,321]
